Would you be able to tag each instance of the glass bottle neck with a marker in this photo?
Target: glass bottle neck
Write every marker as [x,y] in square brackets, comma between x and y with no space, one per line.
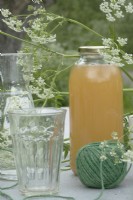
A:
[91,59]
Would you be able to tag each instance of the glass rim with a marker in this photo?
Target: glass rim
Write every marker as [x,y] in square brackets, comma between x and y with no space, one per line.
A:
[46,111]
[49,196]
[14,54]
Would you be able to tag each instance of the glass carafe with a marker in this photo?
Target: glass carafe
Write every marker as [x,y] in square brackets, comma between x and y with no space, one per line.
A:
[14,94]
[96,100]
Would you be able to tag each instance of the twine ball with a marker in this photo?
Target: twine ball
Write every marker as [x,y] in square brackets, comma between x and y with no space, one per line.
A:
[88,166]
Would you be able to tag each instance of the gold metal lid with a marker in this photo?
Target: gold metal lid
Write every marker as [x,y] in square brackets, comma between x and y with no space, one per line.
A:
[91,49]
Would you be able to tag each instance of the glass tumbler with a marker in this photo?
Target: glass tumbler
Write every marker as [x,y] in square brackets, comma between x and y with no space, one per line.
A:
[42,197]
[37,143]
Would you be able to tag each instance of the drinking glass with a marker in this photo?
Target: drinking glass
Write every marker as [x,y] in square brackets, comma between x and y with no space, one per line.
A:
[37,142]
[41,197]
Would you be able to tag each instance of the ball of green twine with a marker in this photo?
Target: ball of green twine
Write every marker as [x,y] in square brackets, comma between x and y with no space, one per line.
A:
[88,167]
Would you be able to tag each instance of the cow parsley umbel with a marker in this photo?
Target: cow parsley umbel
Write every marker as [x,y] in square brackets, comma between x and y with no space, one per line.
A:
[115,11]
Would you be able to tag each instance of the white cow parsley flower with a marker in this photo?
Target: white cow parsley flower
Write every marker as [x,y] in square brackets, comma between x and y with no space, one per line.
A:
[103,144]
[110,17]
[129,8]
[107,42]
[37,1]
[128,58]
[128,156]
[121,2]
[43,39]
[115,52]
[103,157]
[115,9]
[122,41]
[115,136]
[40,82]
[14,23]
[116,60]
[105,7]
[113,153]
[119,14]
[115,6]
[5,12]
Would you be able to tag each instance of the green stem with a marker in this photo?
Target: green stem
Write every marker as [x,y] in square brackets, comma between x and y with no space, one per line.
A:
[28,42]
[62,93]
[66,139]
[65,69]
[51,86]
[83,26]
[127,89]
[37,100]
[38,46]
[54,28]
[102,182]
[64,161]
[65,168]
[128,75]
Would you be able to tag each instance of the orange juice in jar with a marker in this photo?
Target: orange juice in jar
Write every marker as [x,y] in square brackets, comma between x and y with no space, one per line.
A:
[96,101]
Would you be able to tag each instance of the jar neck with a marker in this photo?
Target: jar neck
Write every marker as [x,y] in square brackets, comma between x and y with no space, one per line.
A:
[91,59]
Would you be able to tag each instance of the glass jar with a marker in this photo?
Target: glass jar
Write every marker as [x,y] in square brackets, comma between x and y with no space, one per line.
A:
[96,100]
[14,94]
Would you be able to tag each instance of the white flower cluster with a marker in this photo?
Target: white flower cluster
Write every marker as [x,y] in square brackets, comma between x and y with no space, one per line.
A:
[115,9]
[39,37]
[38,11]
[40,89]
[5,12]
[103,145]
[38,33]
[113,55]
[37,27]
[128,156]
[103,157]
[112,148]
[17,102]
[13,23]
[109,42]
[115,136]
[37,1]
